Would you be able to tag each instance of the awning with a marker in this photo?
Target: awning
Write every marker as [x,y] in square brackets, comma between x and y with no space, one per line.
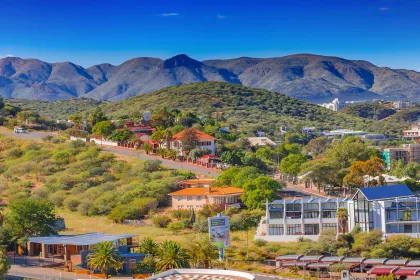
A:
[80,239]
[407,271]
[353,260]
[374,261]
[396,262]
[318,265]
[413,263]
[310,258]
[332,259]
[383,270]
[289,264]
[288,257]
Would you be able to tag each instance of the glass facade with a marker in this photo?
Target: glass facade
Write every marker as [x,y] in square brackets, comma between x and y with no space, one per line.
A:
[363,213]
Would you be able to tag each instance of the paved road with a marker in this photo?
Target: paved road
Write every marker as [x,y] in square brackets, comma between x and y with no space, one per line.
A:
[18,271]
[125,152]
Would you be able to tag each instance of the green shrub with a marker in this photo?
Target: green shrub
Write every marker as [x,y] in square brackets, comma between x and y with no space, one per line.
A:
[71,203]
[15,152]
[260,242]
[175,227]
[161,221]
[201,225]
[180,214]
[58,197]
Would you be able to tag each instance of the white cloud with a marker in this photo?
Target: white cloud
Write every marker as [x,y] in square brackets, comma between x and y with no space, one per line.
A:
[170,14]
[221,16]
[383,8]
[7,55]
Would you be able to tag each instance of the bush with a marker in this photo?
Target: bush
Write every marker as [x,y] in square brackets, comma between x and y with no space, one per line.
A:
[201,225]
[260,242]
[14,152]
[152,165]
[180,214]
[161,221]
[175,227]
[57,198]
[47,138]
[231,210]
[71,203]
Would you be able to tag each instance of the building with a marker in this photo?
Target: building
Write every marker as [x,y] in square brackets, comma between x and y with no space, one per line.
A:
[334,105]
[308,130]
[373,137]
[284,129]
[260,133]
[408,153]
[224,129]
[261,141]
[139,129]
[398,105]
[197,183]
[388,180]
[202,141]
[147,116]
[413,133]
[196,198]
[391,209]
[343,133]
[75,248]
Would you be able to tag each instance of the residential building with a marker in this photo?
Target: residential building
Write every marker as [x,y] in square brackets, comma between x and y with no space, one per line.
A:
[196,183]
[261,141]
[284,129]
[196,198]
[408,153]
[413,133]
[139,129]
[391,209]
[334,105]
[260,133]
[387,180]
[343,132]
[398,105]
[202,141]
[308,130]
[224,129]
[374,137]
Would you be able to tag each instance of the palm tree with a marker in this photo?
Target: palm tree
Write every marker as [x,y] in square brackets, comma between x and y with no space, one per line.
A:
[201,251]
[171,255]
[148,246]
[147,148]
[172,154]
[342,216]
[161,152]
[104,257]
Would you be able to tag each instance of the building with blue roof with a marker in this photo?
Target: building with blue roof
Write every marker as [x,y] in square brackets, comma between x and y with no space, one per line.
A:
[391,209]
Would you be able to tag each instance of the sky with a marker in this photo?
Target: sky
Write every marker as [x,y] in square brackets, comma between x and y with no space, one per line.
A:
[88,32]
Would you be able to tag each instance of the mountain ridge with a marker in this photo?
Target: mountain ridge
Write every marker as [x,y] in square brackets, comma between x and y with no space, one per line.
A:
[307,77]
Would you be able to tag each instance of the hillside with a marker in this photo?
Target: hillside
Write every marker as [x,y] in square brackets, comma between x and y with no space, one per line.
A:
[249,108]
[308,77]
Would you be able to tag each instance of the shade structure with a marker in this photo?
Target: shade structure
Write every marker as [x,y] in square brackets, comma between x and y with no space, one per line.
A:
[299,264]
[331,259]
[413,263]
[396,262]
[288,257]
[383,270]
[310,258]
[353,260]
[407,271]
[318,265]
[374,261]
[80,239]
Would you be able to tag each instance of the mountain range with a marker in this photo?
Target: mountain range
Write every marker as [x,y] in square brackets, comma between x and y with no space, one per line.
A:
[308,77]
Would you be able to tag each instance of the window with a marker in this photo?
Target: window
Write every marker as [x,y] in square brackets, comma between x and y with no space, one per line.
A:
[180,198]
[329,214]
[329,226]
[294,229]
[312,229]
[329,206]
[189,198]
[392,228]
[311,206]
[275,230]
[310,215]
[276,215]
[198,198]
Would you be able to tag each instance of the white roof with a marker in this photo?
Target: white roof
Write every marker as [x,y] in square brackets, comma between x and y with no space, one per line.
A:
[261,141]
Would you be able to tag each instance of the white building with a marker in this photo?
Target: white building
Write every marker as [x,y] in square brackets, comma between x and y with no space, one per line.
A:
[402,105]
[202,141]
[308,130]
[374,137]
[334,105]
[147,116]
[343,132]
[391,209]
[261,141]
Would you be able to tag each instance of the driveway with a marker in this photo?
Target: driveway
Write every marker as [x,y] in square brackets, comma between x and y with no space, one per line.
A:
[125,152]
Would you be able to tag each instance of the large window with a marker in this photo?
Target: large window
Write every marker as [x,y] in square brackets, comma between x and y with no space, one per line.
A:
[329,206]
[293,211]
[275,230]
[329,214]
[329,226]
[404,215]
[312,229]
[363,213]
[310,214]
[311,206]
[276,215]
[294,229]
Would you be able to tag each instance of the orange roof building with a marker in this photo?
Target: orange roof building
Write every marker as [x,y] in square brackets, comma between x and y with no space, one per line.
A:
[196,198]
[197,183]
[203,141]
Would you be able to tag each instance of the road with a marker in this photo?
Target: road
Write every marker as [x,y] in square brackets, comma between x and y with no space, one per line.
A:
[125,152]
[27,272]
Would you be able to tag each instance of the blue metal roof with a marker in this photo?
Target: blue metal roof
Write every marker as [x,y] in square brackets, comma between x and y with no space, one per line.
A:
[311,200]
[386,192]
[80,239]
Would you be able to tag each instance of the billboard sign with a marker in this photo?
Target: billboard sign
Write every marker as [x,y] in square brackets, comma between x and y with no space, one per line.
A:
[219,230]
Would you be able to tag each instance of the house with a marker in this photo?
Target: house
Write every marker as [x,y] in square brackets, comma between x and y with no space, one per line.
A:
[308,130]
[407,153]
[75,248]
[139,129]
[374,137]
[224,129]
[334,105]
[284,129]
[398,105]
[196,198]
[260,133]
[202,141]
[196,183]
[208,160]
[390,209]
[343,133]
[413,133]
[261,141]
[388,180]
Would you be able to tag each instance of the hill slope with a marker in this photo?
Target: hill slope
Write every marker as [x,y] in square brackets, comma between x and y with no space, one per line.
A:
[307,77]
[249,108]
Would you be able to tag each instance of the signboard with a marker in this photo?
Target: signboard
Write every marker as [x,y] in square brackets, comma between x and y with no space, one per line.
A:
[219,231]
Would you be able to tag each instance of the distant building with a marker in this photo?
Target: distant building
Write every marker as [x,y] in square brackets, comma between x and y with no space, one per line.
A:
[343,132]
[374,137]
[261,141]
[388,180]
[203,141]
[196,198]
[197,183]
[19,129]
[284,129]
[147,116]
[224,128]
[308,130]
[398,105]
[334,105]
[413,133]
[260,133]
[408,153]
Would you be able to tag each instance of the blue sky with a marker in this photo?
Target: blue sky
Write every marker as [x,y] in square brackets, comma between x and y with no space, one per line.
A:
[87,32]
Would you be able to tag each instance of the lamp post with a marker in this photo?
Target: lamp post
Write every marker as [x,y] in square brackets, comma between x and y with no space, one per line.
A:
[317,262]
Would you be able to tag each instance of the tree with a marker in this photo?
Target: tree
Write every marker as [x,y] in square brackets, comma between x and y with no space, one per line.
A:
[321,173]
[163,118]
[161,135]
[147,147]
[346,152]
[189,140]
[201,252]
[342,216]
[232,157]
[122,135]
[148,246]
[327,242]
[171,255]
[30,217]
[77,121]
[318,145]
[260,190]
[97,116]
[103,129]
[146,266]
[4,264]
[292,164]
[104,257]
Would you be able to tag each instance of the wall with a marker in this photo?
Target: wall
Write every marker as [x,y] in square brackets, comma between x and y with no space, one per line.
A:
[185,203]
[104,142]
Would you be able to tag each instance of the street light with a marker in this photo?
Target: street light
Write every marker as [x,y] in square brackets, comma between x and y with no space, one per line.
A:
[317,262]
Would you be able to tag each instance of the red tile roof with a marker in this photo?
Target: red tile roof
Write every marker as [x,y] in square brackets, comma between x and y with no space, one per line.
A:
[383,270]
[198,134]
[407,271]
[213,191]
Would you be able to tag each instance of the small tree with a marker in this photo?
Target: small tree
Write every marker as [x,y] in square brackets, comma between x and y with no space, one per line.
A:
[148,246]
[147,147]
[171,255]
[105,257]
[342,216]
[103,129]
[4,264]
[189,140]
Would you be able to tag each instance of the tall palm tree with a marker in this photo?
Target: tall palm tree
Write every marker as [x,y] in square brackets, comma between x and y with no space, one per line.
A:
[342,216]
[104,257]
[201,252]
[148,246]
[171,255]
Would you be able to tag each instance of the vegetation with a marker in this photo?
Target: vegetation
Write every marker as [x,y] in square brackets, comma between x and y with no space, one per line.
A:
[371,110]
[105,257]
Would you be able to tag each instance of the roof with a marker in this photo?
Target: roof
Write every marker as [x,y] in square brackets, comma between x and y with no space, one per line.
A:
[320,265]
[197,181]
[383,270]
[208,156]
[261,141]
[413,263]
[386,192]
[353,260]
[288,257]
[199,135]
[396,262]
[407,271]
[300,264]
[310,258]
[311,200]
[374,261]
[80,239]
[213,191]
[332,259]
